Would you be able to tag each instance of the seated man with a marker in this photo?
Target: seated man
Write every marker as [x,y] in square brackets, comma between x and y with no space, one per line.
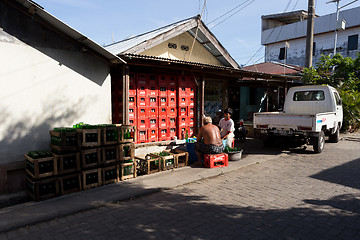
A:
[212,143]
[226,125]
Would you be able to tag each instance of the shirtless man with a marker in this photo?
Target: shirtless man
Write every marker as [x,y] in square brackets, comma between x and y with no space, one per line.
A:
[212,141]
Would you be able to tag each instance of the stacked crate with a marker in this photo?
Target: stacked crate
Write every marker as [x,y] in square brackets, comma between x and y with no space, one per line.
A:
[81,158]
[161,106]
[186,106]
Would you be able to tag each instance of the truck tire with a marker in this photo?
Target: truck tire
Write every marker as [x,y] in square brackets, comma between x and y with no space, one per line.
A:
[319,143]
[334,138]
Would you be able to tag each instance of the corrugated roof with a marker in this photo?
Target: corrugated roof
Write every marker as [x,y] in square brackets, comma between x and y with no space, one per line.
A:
[140,43]
[34,8]
[274,68]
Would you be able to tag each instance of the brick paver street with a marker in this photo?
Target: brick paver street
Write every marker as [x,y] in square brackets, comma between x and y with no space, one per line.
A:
[299,195]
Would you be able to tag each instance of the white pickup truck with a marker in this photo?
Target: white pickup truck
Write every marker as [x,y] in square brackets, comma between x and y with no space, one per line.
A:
[310,113]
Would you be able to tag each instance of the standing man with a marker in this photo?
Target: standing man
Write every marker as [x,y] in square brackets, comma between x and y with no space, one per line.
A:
[227,127]
[208,140]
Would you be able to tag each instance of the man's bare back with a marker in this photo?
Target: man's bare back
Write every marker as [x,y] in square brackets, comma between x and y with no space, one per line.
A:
[211,134]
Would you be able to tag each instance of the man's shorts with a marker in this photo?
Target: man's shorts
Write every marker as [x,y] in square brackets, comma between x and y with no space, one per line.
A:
[209,148]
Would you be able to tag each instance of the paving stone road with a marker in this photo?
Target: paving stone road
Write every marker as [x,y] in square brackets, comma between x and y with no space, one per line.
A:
[299,195]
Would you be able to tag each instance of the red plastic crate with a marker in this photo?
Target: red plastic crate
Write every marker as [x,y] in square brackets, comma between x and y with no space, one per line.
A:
[141,90]
[153,134]
[172,122]
[164,134]
[152,90]
[171,111]
[182,101]
[142,112]
[182,91]
[132,101]
[172,101]
[191,101]
[182,121]
[153,111]
[163,101]
[185,81]
[132,112]
[163,122]
[153,122]
[216,160]
[182,111]
[152,101]
[191,121]
[132,121]
[163,91]
[132,89]
[191,111]
[167,80]
[162,111]
[141,79]
[142,123]
[153,80]
[172,133]
[142,136]
[142,101]
[190,91]
[171,91]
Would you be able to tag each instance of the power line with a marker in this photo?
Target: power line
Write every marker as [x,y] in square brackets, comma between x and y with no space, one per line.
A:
[233,13]
[229,11]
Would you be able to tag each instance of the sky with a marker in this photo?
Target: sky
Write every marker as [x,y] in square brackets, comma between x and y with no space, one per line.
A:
[235,23]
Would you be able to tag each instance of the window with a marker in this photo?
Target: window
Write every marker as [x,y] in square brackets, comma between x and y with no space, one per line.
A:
[309,96]
[353,42]
[282,54]
[314,48]
[337,98]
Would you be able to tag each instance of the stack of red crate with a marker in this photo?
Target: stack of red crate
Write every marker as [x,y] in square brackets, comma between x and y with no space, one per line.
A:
[186,106]
[160,106]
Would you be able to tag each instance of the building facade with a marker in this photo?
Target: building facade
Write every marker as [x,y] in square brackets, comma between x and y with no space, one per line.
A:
[284,36]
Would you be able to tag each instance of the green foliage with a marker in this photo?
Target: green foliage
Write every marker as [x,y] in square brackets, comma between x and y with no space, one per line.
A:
[344,75]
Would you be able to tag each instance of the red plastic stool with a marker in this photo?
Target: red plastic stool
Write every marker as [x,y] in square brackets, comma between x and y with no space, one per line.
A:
[216,160]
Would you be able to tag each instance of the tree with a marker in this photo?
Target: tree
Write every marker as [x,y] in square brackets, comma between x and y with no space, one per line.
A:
[344,75]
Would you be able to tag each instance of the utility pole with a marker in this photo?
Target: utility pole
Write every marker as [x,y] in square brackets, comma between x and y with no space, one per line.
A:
[310,34]
[337,18]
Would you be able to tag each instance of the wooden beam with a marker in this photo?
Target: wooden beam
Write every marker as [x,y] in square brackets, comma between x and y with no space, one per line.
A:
[126,82]
[202,102]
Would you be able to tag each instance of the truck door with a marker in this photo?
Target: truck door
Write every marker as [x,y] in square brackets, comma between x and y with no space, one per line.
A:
[339,109]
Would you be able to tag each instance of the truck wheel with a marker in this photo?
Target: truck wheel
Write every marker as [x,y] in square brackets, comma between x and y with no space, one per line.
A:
[319,143]
[334,138]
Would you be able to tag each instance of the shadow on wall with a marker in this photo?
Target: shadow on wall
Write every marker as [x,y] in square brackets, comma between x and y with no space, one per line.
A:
[32,132]
[18,28]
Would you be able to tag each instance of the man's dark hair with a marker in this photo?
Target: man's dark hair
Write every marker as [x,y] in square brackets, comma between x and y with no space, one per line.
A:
[228,110]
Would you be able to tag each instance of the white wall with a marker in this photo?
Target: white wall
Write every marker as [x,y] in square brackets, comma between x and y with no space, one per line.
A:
[324,45]
[43,88]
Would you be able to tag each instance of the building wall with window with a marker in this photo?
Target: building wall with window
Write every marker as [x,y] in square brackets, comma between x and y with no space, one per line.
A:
[287,43]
